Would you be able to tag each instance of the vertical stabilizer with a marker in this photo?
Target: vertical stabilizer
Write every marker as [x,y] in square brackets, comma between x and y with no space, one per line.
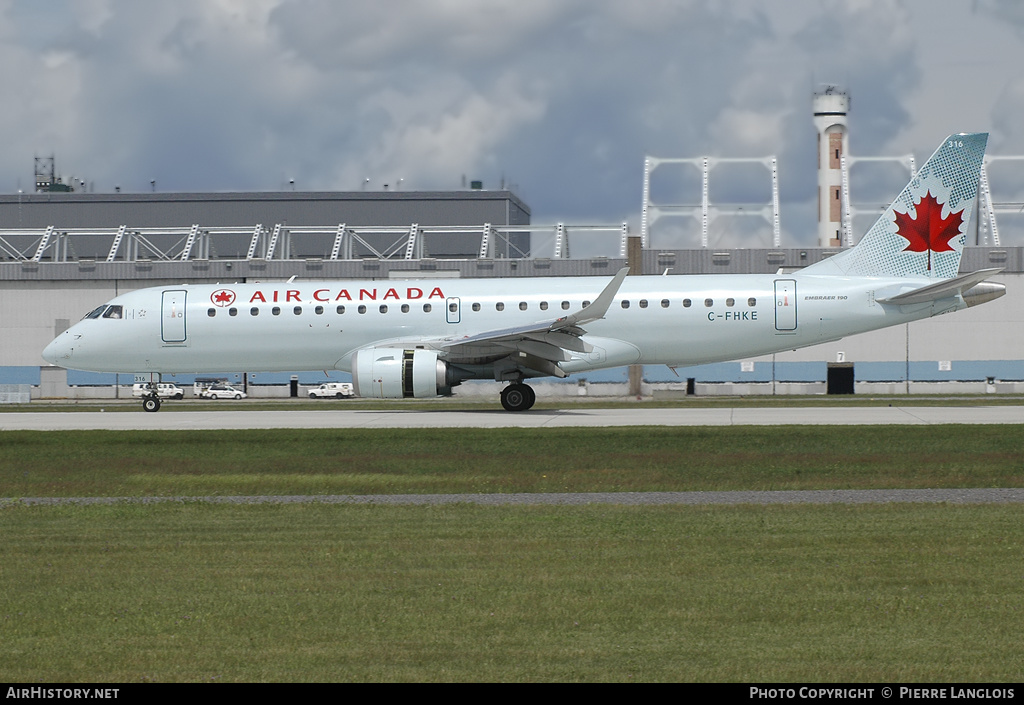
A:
[924,230]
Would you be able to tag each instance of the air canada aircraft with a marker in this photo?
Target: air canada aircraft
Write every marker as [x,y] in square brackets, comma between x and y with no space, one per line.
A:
[422,338]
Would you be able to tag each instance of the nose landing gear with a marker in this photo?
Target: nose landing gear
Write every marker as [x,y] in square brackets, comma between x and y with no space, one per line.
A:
[151,400]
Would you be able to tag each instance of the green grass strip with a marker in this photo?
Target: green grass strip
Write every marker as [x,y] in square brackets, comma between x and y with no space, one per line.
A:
[199,463]
[200,592]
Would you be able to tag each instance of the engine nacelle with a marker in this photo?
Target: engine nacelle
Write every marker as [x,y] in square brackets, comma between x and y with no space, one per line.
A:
[394,373]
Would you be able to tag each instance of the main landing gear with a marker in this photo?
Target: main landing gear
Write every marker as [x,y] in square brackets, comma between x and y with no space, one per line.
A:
[151,400]
[518,397]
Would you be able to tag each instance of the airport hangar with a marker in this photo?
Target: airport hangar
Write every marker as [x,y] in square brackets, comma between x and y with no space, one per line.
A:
[62,254]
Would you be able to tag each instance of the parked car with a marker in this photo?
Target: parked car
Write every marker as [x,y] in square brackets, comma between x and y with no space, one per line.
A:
[222,391]
[337,390]
[163,390]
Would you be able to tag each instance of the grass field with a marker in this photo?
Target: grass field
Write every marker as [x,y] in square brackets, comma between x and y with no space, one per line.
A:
[193,591]
[130,593]
[367,461]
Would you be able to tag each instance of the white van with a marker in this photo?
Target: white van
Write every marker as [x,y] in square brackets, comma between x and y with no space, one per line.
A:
[338,390]
[163,390]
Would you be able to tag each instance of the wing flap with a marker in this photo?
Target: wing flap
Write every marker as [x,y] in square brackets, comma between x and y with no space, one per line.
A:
[535,348]
[563,340]
[538,346]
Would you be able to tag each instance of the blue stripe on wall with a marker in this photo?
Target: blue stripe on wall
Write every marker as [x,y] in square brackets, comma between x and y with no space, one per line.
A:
[19,375]
[920,371]
[86,379]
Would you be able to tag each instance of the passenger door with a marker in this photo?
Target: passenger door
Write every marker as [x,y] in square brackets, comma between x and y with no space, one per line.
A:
[172,317]
[785,305]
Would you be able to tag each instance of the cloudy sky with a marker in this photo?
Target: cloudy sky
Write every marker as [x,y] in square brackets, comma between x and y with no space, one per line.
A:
[561,99]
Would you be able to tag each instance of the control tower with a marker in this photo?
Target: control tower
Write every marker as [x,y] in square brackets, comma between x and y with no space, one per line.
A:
[831,104]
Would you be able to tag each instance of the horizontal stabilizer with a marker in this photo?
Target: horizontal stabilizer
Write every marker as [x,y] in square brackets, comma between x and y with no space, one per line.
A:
[940,290]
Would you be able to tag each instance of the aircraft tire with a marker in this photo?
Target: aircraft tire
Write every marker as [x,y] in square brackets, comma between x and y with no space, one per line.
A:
[517,397]
[151,404]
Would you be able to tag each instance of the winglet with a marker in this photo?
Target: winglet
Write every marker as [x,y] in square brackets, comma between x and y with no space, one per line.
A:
[598,308]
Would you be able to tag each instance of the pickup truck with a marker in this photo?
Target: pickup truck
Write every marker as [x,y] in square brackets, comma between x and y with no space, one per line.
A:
[336,390]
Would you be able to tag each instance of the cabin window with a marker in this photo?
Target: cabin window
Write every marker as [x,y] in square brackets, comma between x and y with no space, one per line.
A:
[585,304]
[543,305]
[476,307]
[565,305]
[319,310]
[708,303]
[113,312]
[341,310]
[232,311]
[522,305]
[361,309]
[625,303]
[276,310]
[383,308]
[499,306]
[751,301]
[405,308]
[686,303]
[453,307]
[211,312]
[643,303]
[730,302]
[254,311]
[297,310]
[426,308]
[664,303]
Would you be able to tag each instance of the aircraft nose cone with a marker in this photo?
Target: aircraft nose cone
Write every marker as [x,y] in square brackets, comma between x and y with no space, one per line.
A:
[58,352]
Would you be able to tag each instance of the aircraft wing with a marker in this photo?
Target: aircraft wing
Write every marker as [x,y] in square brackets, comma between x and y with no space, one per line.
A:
[539,346]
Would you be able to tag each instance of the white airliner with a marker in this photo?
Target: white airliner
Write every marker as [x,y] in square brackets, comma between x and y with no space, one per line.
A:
[421,338]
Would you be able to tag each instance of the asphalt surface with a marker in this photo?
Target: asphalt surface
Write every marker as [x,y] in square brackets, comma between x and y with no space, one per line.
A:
[228,418]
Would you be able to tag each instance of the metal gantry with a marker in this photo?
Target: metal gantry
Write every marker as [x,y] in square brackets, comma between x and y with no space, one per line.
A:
[989,208]
[416,241]
[284,242]
[707,212]
[851,210]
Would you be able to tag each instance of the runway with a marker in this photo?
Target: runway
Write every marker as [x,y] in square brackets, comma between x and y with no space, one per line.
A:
[226,418]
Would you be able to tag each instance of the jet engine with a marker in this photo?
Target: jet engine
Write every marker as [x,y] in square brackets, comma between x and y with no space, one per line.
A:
[394,373]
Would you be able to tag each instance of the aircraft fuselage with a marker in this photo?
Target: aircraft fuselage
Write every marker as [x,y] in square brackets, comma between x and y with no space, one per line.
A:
[674,320]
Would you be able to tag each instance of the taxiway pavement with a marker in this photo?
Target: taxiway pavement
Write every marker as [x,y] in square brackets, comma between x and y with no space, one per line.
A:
[225,418]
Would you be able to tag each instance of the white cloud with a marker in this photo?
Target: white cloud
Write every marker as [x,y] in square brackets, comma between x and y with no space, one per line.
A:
[562,97]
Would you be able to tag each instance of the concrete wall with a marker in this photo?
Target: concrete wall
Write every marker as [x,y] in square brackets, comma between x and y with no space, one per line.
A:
[146,210]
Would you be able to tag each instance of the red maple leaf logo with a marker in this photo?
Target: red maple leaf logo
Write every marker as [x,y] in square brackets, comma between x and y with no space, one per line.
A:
[929,231]
[223,297]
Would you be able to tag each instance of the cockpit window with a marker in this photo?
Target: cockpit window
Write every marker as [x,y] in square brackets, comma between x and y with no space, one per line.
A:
[95,313]
[112,312]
